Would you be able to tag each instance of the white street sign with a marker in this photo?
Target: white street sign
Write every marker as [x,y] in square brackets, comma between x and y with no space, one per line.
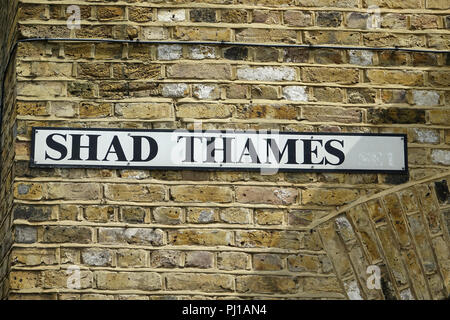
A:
[218,150]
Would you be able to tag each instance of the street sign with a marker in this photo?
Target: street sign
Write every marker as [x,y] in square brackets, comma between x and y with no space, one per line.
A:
[269,151]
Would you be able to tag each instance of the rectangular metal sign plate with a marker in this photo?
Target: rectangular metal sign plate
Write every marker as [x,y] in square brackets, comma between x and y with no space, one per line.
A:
[268,151]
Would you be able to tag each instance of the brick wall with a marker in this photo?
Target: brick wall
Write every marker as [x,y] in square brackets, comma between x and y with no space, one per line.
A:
[183,234]
[8,26]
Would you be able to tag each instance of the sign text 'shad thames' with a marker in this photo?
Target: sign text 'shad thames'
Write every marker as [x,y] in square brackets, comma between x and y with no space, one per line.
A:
[246,150]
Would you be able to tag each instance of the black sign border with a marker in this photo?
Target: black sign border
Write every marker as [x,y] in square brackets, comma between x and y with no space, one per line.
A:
[404,136]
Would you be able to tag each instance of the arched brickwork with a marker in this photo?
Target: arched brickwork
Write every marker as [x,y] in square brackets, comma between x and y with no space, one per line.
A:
[404,231]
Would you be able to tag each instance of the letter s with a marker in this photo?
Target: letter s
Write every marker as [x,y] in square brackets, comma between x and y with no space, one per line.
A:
[56,146]
[335,152]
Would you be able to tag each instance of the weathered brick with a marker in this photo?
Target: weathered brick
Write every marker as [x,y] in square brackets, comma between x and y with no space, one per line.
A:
[439,116]
[19,280]
[202,91]
[269,217]
[62,234]
[267,262]
[233,16]
[165,259]
[335,249]
[430,208]
[332,37]
[199,259]
[364,228]
[303,263]
[132,258]
[94,70]
[202,52]
[145,281]
[199,71]
[299,55]
[25,234]
[258,111]
[107,13]
[204,111]
[336,75]
[144,110]
[133,214]
[139,193]
[328,19]
[267,284]
[99,214]
[96,257]
[271,239]
[33,213]
[201,33]
[395,115]
[203,15]
[297,18]
[393,256]
[267,16]
[73,191]
[440,156]
[281,196]
[336,114]
[201,194]
[155,33]
[232,261]
[37,108]
[140,14]
[29,191]
[266,35]
[329,196]
[200,282]
[200,237]
[167,215]
[266,73]
[144,236]
[236,215]
[417,228]
[34,256]
[171,15]
[201,215]
[407,78]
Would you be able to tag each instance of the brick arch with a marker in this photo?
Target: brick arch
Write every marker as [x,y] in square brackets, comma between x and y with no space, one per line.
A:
[404,231]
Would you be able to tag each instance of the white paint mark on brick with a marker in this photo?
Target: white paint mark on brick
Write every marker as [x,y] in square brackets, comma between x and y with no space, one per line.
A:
[206,216]
[155,33]
[426,135]
[175,90]
[425,98]
[171,15]
[266,73]
[406,295]
[361,57]
[295,93]
[203,91]
[169,52]
[96,257]
[63,109]
[352,289]
[343,224]
[203,52]
[440,157]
